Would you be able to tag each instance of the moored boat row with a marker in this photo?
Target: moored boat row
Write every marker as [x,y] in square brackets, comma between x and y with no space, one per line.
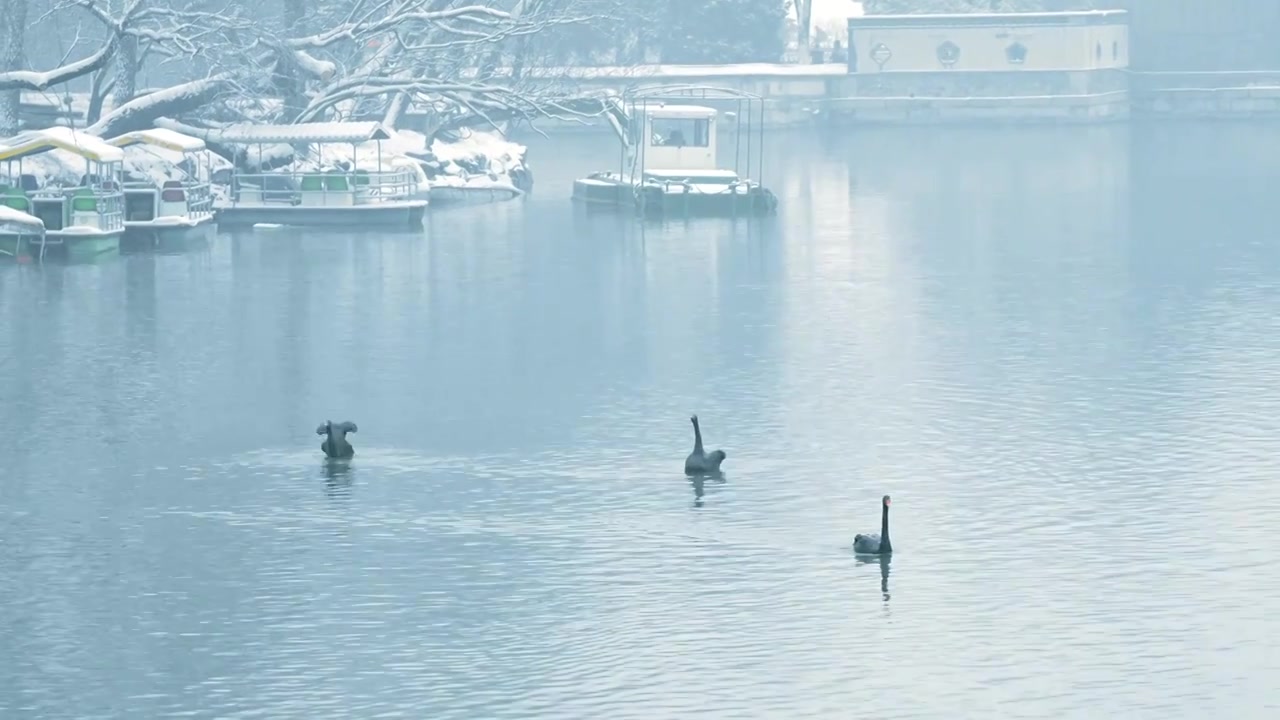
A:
[66,192]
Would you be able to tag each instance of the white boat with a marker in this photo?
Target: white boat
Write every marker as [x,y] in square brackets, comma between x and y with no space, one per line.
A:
[389,197]
[668,164]
[83,218]
[21,235]
[168,200]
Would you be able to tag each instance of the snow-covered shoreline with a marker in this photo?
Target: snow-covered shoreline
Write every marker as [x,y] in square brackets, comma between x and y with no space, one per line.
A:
[481,160]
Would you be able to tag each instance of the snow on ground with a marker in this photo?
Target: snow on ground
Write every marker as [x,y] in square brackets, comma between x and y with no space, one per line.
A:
[670,72]
[479,159]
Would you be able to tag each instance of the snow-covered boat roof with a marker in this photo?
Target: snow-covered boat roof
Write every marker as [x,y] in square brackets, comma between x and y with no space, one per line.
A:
[35,142]
[323,132]
[160,137]
[687,173]
[683,112]
[17,219]
[1016,16]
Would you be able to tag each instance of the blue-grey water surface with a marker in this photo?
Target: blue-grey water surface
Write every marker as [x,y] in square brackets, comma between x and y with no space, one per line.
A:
[1057,349]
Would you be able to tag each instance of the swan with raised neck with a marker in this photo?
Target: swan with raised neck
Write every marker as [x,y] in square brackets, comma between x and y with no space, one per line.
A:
[699,461]
[873,544]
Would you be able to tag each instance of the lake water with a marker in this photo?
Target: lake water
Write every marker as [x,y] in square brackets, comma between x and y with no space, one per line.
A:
[1058,350]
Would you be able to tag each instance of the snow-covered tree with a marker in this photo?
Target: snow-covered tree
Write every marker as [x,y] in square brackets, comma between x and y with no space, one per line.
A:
[365,58]
[12,56]
[109,41]
[295,61]
[16,76]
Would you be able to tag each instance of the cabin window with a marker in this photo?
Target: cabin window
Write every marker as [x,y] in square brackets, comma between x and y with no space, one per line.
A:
[681,132]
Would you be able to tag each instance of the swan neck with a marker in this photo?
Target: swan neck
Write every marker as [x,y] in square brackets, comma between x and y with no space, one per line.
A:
[885,546]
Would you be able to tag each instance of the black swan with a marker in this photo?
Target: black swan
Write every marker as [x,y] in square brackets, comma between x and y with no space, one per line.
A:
[700,462]
[335,444]
[874,544]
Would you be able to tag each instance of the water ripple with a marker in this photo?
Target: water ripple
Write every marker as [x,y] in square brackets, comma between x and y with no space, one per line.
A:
[1071,398]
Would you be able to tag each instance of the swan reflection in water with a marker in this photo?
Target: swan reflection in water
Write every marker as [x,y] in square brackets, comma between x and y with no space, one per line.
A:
[338,477]
[883,561]
[699,484]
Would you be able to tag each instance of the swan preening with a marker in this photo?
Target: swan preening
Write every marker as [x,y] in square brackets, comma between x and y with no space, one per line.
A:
[874,544]
[335,444]
[699,461]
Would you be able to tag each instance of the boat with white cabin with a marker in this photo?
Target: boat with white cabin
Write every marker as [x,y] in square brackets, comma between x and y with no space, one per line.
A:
[40,175]
[168,197]
[669,158]
[315,192]
[21,235]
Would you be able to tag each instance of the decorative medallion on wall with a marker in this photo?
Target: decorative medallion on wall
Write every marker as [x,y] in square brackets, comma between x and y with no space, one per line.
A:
[881,54]
[1016,53]
[948,54]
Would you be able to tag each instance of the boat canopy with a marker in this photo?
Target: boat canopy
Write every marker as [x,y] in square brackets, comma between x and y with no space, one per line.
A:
[678,112]
[62,138]
[351,133]
[160,137]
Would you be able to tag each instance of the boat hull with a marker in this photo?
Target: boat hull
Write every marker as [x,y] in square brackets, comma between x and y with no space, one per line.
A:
[76,244]
[19,247]
[656,201]
[79,246]
[168,236]
[405,215]
[448,195]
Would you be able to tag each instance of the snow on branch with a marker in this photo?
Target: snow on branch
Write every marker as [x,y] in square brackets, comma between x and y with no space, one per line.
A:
[396,48]
[463,61]
[406,14]
[141,112]
[43,80]
[185,30]
[40,81]
[188,33]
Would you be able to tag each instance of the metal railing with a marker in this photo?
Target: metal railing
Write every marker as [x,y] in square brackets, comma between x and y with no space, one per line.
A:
[197,195]
[327,189]
[107,205]
[199,199]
